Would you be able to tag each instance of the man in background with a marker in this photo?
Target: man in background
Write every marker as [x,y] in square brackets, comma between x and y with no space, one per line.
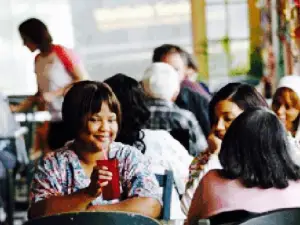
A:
[187,99]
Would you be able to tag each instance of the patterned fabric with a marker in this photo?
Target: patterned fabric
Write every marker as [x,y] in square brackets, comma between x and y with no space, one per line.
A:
[199,167]
[166,115]
[60,173]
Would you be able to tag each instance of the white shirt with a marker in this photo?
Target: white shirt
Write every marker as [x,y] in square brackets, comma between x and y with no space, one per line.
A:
[52,74]
[166,153]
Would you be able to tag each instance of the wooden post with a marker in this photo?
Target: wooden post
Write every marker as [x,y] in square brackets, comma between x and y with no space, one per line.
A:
[199,37]
[254,25]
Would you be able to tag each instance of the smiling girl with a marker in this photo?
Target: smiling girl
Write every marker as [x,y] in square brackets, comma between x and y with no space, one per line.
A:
[67,180]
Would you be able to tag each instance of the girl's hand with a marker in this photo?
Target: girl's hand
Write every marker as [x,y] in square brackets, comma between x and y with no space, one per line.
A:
[99,178]
[214,143]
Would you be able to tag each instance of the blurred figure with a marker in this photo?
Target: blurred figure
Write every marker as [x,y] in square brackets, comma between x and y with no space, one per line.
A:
[191,76]
[228,103]
[56,67]
[256,170]
[286,104]
[157,145]
[162,84]
[187,98]
[13,153]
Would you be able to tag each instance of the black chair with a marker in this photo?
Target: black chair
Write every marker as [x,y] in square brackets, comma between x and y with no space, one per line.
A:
[94,218]
[181,135]
[290,216]
[231,217]
[166,182]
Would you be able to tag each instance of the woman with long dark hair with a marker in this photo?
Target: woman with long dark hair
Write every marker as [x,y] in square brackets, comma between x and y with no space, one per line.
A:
[229,102]
[256,169]
[163,151]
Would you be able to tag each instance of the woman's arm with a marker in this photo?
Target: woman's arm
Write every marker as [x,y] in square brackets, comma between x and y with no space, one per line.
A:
[142,205]
[77,201]
[25,105]
[194,211]
[74,202]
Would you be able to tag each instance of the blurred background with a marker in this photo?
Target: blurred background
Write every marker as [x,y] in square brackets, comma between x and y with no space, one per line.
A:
[119,35]
[254,41]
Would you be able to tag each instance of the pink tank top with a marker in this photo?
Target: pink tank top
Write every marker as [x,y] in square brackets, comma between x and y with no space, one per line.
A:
[222,195]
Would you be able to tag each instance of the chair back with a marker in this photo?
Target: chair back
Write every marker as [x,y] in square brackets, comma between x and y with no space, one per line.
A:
[230,217]
[94,218]
[166,182]
[181,135]
[290,216]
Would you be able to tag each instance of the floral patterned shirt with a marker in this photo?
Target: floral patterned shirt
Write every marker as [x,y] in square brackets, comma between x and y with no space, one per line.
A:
[199,167]
[60,173]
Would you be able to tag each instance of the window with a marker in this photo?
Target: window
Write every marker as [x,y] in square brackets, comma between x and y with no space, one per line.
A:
[228,37]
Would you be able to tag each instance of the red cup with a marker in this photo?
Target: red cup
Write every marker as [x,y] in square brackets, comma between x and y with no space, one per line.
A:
[112,189]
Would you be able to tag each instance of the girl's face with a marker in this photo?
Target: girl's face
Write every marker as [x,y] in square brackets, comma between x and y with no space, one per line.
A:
[31,46]
[225,111]
[286,106]
[101,129]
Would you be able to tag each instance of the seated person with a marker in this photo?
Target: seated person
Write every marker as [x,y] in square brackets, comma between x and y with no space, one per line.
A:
[11,156]
[191,75]
[257,170]
[67,180]
[162,84]
[229,102]
[195,102]
[157,145]
[286,105]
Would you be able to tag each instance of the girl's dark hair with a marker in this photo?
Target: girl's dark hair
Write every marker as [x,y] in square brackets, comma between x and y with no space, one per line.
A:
[255,150]
[244,95]
[134,110]
[86,97]
[36,32]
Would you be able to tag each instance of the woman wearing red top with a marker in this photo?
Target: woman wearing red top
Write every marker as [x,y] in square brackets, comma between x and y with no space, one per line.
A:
[56,68]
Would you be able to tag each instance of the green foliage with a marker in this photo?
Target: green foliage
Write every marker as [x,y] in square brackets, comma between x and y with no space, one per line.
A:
[256,63]
[239,70]
[226,45]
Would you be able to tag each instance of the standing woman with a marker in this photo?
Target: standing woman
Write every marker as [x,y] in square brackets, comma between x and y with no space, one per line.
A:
[56,67]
